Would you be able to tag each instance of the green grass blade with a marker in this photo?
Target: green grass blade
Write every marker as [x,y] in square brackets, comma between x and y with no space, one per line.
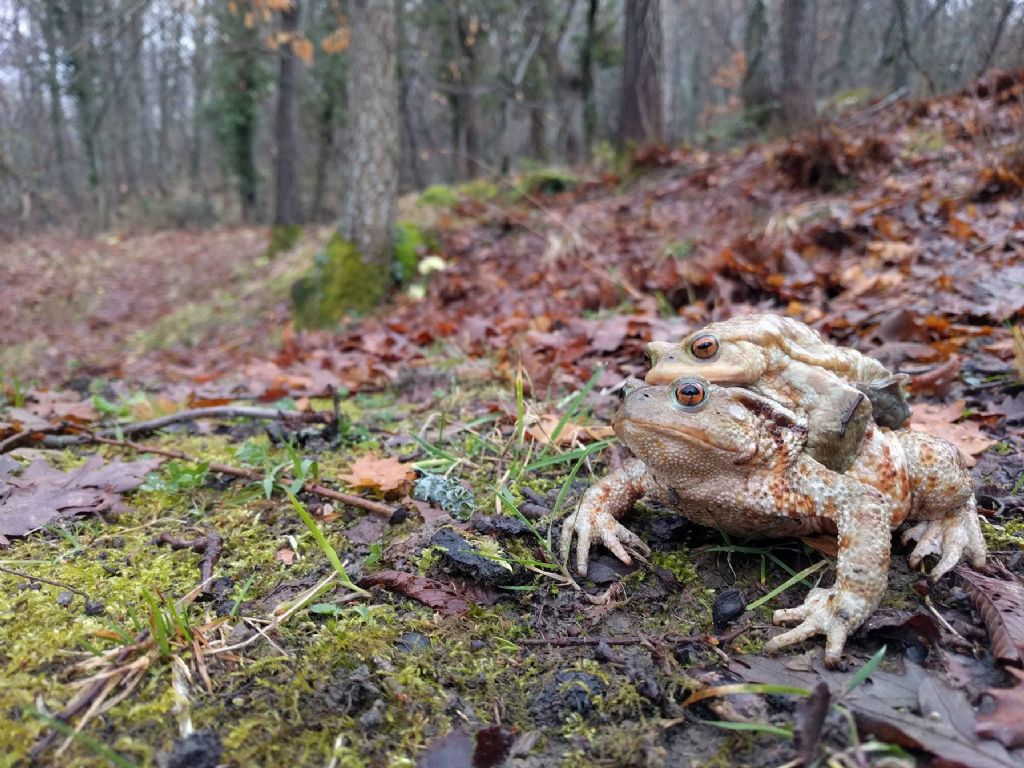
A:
[571,409]
[568,456]
[774,730]
[787,584]
[864,672]
[325,545]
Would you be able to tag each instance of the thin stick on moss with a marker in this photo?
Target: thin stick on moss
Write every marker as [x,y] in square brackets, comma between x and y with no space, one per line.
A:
[251,474]
[193,414]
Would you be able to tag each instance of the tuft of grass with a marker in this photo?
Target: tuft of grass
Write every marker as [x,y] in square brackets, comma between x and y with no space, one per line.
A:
[325,545]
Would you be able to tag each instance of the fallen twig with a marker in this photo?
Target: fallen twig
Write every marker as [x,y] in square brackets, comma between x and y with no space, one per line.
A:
[251,474]
[212,412]
[211,545]
[569,642]
[60,584]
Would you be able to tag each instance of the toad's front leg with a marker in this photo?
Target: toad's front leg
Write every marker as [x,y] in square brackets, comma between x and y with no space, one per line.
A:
[598,513]
[863,520]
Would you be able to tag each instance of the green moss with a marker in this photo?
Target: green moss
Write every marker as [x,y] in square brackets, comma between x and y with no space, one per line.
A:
[283,238]
[410,244]
[340,282]
[478,189]
[545,181]
[1009,534]
[439,195]
[678,563]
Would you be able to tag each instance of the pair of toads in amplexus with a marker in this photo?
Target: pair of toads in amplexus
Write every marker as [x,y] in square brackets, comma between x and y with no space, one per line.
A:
[759,427]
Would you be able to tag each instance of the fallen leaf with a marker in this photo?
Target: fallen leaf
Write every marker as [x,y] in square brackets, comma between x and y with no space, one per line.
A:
[1000,602]
[545,426]
[427,591]
[940,421]
[938,380]
[42,494]
[914,709]
[378,473]
[1005,723]
[286,556]
[62,405]
[367,531]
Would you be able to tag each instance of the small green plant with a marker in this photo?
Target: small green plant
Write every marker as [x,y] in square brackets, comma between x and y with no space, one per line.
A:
[241,594]
[167,624]
[175,476]
[324,544]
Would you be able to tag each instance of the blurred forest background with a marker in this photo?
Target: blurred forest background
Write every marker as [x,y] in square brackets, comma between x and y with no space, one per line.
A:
[167,113]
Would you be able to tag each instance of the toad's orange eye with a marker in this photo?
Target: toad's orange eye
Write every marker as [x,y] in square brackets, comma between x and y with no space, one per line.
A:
[689,394]
[704,347]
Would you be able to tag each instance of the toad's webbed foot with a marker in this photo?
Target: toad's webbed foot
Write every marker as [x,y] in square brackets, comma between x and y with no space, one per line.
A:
[595,520]
[828,612]
[597,525]
[951,538]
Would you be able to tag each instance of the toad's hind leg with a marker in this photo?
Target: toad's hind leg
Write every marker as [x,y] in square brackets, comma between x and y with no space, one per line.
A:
[863,520]
[944,514]
[951,538]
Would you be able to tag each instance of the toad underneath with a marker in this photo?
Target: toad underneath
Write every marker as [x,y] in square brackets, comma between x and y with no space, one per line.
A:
[837,389]
[730,458]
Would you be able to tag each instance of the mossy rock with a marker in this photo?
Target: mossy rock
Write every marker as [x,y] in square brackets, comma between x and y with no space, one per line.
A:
[546,181]
[439,195]
[283,238]
[340,282]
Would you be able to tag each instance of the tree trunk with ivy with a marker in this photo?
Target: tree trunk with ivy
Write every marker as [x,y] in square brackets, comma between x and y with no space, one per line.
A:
[354,272]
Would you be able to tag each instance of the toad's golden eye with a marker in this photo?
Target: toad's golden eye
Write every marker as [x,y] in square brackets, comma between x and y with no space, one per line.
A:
[704,347]
[689,394]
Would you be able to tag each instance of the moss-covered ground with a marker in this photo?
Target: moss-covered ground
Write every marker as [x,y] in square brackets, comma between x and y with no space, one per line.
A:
[374,681]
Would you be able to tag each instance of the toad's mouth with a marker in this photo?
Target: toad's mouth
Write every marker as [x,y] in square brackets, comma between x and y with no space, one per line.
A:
[676,433]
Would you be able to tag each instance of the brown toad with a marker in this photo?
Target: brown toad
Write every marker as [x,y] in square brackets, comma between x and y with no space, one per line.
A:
[836,387]
[730,458]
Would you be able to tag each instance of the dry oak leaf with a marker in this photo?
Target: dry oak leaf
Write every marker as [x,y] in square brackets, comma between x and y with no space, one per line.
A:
[546,425]
[940,421]
[378,473]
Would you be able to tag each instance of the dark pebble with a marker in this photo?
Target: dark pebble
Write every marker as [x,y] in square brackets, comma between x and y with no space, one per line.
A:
[729,604]
[605,570]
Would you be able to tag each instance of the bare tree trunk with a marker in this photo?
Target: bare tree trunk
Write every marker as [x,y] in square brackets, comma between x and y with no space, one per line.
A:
[845,53]
[368,213]
[640,109]
[466,120]
[587,77]
[759,97]
[287,200]
[198,94]
[47,22]
[798,39]
[997,36]
[324,150]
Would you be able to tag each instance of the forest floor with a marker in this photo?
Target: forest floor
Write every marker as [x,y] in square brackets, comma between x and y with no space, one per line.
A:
[181,610]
